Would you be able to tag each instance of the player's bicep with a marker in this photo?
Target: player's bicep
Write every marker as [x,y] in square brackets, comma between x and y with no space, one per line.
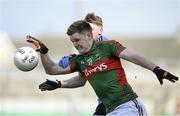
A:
[124,54]
[128,55]
[56,70]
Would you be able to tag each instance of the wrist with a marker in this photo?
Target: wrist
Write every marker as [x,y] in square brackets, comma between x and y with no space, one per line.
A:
[156,69]
[59,84]
[44,50]
[160,73]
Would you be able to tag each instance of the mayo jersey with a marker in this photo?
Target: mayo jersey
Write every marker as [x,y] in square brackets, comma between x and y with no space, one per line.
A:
[101,66]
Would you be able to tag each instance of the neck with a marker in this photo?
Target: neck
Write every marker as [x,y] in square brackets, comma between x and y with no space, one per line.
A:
[98,37]
[89,46]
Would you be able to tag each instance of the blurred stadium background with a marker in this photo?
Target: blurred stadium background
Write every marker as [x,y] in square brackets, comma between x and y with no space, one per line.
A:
[150,27]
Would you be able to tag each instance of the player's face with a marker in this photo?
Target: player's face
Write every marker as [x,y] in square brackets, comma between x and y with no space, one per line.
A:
[82,41]
[96,30]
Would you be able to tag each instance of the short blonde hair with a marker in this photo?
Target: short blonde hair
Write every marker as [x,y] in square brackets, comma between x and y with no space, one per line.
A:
[92,18]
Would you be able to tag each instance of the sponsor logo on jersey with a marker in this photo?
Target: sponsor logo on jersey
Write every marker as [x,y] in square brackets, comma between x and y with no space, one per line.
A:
[99,68]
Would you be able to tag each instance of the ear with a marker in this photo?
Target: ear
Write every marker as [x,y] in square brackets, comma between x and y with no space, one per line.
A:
[89,34]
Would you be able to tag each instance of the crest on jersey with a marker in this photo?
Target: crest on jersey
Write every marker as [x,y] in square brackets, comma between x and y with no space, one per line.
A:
[82,62]
[98,56]
[89,61]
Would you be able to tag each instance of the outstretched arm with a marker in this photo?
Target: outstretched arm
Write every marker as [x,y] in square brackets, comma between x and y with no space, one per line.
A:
[49,65]
[144,62]
[73,82]
[137,59]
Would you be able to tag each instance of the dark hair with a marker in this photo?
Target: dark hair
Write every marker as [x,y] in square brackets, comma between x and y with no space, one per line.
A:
[92,18]
[79,26]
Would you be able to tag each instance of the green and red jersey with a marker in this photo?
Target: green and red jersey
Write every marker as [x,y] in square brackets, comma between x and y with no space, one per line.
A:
[101,66]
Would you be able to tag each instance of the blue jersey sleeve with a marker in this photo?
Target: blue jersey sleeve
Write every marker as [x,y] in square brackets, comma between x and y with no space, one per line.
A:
[64,62]
[102,38]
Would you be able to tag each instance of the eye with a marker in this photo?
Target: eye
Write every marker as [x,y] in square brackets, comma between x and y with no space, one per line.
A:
[75,40]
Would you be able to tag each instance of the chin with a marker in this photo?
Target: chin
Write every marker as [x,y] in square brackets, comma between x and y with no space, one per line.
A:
[82,52]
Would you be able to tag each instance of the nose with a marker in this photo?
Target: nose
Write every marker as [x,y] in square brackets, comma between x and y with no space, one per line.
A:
[74,43]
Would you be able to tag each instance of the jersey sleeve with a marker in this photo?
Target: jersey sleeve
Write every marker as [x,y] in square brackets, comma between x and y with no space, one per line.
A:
[116,48]
[73,64]
[102,38]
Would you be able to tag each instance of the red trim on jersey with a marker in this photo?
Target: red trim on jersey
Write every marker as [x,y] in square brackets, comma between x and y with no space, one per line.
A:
[71,67]
[121,76]
[118,53]
[120,46]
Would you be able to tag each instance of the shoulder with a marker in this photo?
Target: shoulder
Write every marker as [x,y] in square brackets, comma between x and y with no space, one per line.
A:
[102,38]
[105,38]
[76,59]
[110,45]
[107,42]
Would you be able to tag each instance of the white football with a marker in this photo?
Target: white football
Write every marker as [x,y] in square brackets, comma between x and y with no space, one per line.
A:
[26,58]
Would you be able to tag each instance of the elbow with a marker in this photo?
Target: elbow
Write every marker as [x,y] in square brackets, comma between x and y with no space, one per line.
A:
[50,72]
[82,84]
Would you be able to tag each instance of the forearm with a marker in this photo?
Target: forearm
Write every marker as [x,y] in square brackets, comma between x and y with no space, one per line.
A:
[47,62]
[73,82]
[144,62]
[51,67]
[137,59]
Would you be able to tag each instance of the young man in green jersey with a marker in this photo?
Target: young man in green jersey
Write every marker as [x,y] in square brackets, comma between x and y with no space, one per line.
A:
[96,24]
[99,64]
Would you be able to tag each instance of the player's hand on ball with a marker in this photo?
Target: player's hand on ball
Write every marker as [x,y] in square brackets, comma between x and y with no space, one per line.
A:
[162,74]
[39,45]
[49,85]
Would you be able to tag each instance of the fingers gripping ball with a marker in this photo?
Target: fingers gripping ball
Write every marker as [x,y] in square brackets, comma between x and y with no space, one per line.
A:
[26,58]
